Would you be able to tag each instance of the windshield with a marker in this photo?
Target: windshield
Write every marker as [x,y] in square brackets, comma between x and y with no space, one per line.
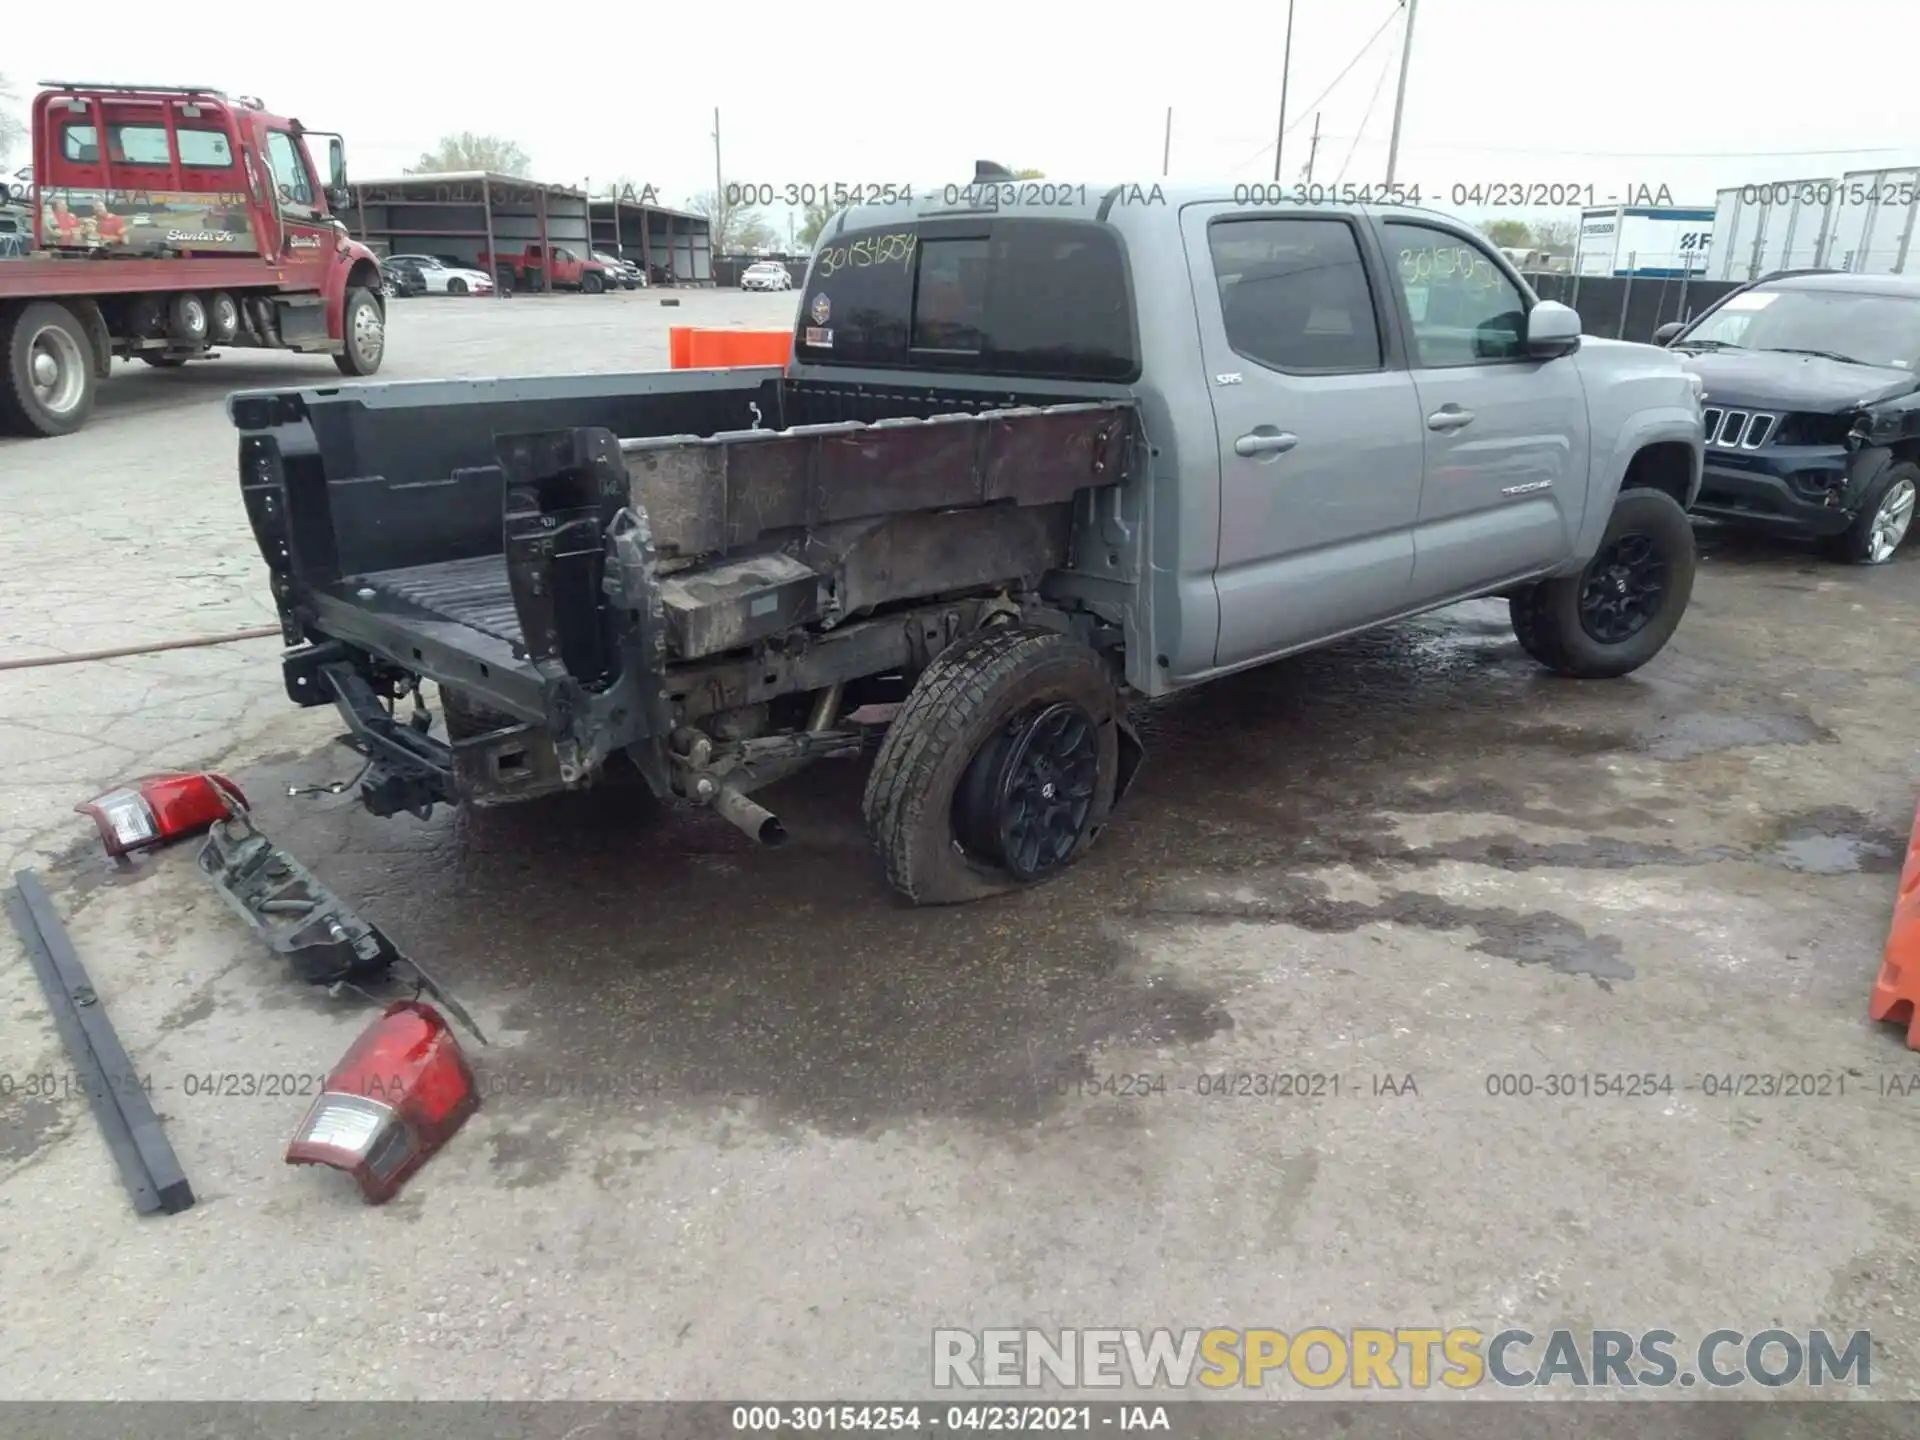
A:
[1870,329]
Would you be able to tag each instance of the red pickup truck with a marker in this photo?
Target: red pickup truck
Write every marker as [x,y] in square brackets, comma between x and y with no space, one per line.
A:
[167,220]
[523,270]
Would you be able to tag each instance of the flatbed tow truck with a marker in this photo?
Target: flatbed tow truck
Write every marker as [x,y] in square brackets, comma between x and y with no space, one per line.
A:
[165,221]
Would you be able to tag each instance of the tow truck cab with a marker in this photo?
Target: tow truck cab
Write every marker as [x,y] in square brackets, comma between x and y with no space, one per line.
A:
[166,220]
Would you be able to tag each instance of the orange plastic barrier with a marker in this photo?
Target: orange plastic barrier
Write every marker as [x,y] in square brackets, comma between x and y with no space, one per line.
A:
[1896,994]
[691,348]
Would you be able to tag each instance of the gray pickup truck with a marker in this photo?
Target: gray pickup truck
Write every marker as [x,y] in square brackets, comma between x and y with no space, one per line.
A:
[1040,451]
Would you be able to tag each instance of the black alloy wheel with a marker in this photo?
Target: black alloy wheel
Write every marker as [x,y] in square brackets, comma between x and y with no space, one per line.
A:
[1623,588]
[1025,801]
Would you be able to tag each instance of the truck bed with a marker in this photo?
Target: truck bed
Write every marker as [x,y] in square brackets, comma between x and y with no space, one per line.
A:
[459,531]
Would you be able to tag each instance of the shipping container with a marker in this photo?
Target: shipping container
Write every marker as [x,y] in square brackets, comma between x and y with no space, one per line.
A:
[1873,232]
[1772,225]
[1644,240]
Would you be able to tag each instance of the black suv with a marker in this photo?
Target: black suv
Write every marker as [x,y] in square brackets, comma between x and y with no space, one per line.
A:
[1812,407]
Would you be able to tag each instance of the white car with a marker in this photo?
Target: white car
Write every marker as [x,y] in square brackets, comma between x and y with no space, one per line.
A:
[444,279]
[766,275]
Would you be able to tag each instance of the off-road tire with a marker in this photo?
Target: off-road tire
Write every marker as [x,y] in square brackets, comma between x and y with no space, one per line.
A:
[1853,544]
[21,412]
[958,704]
[350,360]
[1546,616]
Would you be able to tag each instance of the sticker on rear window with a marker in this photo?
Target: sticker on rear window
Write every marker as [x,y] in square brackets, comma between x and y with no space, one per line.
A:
[818,338]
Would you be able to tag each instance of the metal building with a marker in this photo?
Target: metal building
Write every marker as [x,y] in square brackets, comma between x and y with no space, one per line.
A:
[463,214]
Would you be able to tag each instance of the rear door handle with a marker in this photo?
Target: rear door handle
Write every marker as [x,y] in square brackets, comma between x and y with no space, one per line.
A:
[1449,417]
[1265,444]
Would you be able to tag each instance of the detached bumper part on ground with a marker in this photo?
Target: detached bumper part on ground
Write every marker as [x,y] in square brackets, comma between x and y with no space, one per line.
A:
[396,1098]
[147,1163]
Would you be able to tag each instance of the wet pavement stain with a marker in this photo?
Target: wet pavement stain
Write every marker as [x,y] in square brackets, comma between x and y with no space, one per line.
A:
[654,951]
[1837,841]
[28,1122]
[1539,938]
[191,1013]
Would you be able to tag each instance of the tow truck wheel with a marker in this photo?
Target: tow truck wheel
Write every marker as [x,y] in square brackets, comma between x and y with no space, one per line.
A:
[364,327]
[1000,769]
[47,385]
[223,317]
[187,319]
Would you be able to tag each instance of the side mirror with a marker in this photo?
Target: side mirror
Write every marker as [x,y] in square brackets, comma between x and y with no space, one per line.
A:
[1669,332]
[339,195]
[1552,329]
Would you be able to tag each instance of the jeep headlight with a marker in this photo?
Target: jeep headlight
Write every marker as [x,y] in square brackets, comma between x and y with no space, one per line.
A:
[1699,389]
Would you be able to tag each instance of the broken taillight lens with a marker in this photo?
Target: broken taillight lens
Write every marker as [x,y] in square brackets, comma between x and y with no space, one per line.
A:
[158,808]
[397,1096]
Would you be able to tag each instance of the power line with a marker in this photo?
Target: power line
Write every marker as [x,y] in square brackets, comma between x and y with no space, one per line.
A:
[1372,100]
[1360,54]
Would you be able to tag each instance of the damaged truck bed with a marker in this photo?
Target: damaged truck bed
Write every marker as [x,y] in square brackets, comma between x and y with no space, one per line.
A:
[696,573]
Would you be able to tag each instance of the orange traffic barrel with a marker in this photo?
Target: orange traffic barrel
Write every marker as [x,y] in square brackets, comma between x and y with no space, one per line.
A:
[1896,994]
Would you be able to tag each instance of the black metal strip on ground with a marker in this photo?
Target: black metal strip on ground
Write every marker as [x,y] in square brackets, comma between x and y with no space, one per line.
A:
[147,1163]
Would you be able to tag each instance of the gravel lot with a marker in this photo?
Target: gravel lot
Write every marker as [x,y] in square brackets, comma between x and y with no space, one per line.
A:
[755,1129]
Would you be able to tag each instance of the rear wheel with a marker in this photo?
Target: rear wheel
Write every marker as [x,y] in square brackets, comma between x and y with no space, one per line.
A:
[1000,769]
[1885,518]
[364,329]
[1620,611]
[187,319]
[47,384]
[223,317]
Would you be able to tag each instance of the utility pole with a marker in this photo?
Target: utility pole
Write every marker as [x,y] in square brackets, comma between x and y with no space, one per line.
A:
[719,189]
[1313,146]
[1400,95]
[1166,150]
[1286,69]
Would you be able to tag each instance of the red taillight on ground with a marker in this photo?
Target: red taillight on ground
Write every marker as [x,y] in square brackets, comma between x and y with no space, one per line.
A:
[158,808]
[397,1097]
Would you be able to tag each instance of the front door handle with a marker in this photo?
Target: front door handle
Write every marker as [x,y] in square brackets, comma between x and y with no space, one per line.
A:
[1449,417]
[1265,444]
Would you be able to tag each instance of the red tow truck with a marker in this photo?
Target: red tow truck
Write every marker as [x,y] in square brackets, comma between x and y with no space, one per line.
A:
[167,220]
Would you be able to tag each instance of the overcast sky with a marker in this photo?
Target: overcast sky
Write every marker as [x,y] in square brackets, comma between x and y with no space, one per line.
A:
[1690,94]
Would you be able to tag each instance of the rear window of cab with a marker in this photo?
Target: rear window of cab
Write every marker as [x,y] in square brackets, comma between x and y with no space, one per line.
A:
[1045,299]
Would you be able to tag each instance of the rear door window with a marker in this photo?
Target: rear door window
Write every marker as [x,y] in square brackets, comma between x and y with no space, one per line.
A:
[1040,298]
[1294,294]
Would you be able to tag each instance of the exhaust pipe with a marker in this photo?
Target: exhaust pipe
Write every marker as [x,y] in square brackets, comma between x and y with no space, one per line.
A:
[755,821]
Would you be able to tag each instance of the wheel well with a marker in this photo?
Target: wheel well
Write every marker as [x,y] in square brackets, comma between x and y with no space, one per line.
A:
[1667,466]
[365,275]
